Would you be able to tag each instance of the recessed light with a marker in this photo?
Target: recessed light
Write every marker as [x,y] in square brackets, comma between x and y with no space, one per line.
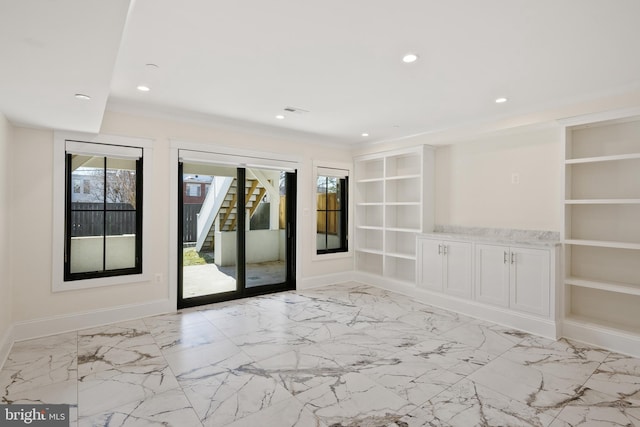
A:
[82,96]
[143,88]
[365,134]
[409,58]
[280,117]
[500,100]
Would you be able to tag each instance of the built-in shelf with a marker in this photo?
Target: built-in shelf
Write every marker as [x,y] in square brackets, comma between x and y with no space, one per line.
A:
[603,159]
[403,204]
[403,230]
[370,180]
[623,288]
[393,178]
[394,203]
[602,233]
[401,255]
[603,202]
[369,227]
[370,204]
[603,244]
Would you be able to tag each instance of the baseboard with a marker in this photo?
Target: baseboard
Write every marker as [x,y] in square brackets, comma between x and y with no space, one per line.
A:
[6,342]
[71,322]
[601,336]
[324,280]
[538,326]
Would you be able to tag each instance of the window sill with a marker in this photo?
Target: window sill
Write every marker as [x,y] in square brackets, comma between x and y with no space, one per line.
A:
[61,286]
[330,256]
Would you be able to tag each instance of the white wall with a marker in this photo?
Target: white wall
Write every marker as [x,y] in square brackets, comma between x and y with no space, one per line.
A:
[32,209]
[476,186]
[5,216]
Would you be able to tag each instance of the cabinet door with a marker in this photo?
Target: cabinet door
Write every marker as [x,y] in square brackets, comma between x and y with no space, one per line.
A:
[492,274]
[430,264]
[530,280]
[457,269]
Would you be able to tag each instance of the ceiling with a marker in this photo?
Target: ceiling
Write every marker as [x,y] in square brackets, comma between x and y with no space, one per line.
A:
[243,62]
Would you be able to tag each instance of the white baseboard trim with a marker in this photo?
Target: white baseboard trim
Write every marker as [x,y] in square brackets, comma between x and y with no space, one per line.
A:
[324,280]
[538,326]
[6,342]
[601,336]
[71,322]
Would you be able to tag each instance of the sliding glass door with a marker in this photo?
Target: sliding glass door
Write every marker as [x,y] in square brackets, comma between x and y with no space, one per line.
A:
[237,228]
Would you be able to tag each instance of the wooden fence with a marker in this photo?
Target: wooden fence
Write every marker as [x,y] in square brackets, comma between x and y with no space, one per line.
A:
[328,223]
[88,219]
[190,222]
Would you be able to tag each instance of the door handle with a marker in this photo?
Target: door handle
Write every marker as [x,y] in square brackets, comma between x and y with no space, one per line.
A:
[439,249]
[444,247]
[513,257]
[504,259]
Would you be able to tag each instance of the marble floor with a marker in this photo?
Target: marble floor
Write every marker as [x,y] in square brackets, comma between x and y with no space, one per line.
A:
[342,355]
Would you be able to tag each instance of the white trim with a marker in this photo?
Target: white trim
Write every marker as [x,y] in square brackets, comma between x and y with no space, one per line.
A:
[220,154]
[82,320]
[98,149]
[509,318]
[5,345]
[57,265]
[320,166]
[172,280]
[593,118]
[601,336]
[324,280]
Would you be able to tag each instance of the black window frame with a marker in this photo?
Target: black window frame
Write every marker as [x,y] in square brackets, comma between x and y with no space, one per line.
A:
[343,217]
[137,269]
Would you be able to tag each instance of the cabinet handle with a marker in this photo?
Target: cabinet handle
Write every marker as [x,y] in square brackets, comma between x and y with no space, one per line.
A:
[513,257]
[504,259]
[444,247]
[439,249]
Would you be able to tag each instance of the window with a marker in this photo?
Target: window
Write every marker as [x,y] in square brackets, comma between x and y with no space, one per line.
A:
[194,190]
[331,211]
[103,228]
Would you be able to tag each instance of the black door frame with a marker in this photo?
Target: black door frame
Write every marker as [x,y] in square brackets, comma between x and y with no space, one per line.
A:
[242,291]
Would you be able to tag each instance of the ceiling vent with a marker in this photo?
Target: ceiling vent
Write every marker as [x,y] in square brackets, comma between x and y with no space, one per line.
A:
[295,110]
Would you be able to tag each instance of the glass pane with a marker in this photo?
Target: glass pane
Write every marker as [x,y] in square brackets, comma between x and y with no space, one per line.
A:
[86,242]
[265,233]
[333,230]
[87,182]
[121,240]
[208,230]
[121,184]
[333,193]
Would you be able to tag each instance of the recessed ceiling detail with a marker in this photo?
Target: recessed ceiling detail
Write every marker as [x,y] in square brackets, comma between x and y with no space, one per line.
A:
[225,62]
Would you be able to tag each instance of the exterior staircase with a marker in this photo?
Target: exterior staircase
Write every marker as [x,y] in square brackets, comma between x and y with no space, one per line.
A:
[228,212]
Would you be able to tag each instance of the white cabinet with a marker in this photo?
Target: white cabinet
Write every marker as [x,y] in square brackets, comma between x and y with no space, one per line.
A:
[446,266]
[529,280]
[514,277]
[492,274]
[393,203]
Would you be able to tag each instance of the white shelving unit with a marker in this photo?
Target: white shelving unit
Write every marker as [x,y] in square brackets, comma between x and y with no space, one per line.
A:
[394,202]
[602,234]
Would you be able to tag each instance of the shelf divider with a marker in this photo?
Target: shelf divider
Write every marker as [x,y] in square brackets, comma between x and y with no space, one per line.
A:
[623,288]
[603,244]
[603,159]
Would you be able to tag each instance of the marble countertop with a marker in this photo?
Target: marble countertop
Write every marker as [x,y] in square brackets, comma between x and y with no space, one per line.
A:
[538,238]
